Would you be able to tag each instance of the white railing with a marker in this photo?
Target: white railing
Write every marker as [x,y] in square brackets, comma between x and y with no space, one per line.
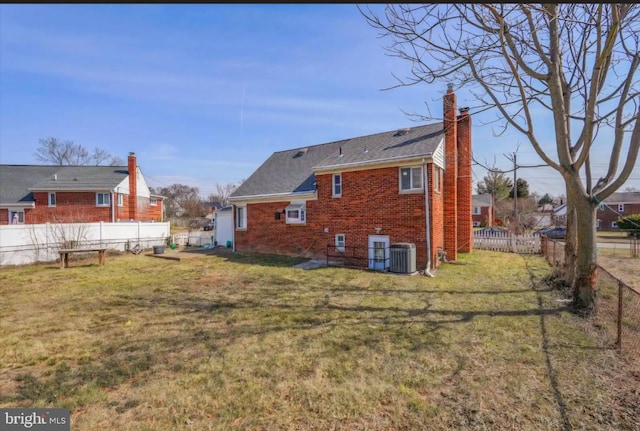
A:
[506,241]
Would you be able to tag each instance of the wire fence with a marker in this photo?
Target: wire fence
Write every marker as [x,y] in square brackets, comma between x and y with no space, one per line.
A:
[616,320]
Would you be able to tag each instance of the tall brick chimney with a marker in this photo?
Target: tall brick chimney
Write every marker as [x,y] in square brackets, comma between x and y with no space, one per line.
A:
[133,187]
[450,183]
[464,186]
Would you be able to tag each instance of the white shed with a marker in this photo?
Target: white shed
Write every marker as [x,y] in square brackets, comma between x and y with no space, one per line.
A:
[224,226]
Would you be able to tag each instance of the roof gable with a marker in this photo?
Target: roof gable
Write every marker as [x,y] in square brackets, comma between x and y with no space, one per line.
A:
[293,171]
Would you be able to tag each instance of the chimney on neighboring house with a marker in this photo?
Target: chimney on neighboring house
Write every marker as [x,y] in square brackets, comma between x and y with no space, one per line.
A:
[464,186]
[133,187]
[450,183]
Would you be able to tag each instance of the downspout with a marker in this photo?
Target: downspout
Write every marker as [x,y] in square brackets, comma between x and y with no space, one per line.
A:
[426,217]
[113,205]
[233,231]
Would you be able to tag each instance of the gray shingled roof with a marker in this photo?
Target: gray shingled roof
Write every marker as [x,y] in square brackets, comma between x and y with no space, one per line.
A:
[18,181]
[15,181]
[483,200]
[293,170]
[623,198]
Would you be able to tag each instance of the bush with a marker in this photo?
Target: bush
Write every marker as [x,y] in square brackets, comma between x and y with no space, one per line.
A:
[631,222]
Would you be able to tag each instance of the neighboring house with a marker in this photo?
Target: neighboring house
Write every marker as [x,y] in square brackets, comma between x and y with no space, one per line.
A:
[617,205]
[212,209]
[360,195]
[482,210]
[31,194]
[559,215]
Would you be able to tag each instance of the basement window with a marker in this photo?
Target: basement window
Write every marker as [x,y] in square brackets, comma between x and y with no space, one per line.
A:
[296,213]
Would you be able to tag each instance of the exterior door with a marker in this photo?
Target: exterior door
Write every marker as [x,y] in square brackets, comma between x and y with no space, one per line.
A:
[378,252]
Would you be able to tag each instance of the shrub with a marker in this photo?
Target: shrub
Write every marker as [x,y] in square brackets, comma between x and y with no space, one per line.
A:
[630,222]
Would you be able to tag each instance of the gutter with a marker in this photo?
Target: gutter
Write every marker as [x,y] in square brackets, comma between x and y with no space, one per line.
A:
[17,205]
[426,217]
[370,162]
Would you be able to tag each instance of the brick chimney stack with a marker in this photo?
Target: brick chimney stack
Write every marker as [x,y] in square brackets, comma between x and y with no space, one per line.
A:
[464,186]
[133,187]
[450,183]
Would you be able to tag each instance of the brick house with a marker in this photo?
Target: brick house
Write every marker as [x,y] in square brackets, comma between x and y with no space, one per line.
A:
[359,195]
[482,210]
[31,194]
[617,205]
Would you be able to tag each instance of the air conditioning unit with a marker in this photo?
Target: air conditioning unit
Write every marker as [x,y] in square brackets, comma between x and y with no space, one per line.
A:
[402,258]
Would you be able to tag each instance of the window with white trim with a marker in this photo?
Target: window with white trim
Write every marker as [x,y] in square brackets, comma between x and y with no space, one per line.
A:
[241,217]
[436,180]
[614,224]
[476,211]
[477,224]
[51,199]
[620,208]
[120,199]
[296,213]
[103,199]
[340,242]
[153,201]
[411,179]
[597,224]
[337,186]
[16,217]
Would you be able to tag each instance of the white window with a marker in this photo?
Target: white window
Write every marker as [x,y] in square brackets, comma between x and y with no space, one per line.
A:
[436,180]
[411,179]
[102,199]
[614,224]
[16,217]
[340,242]
[597,224]
[337,185]
[51,199]
[296,213]
[153,201]
[476,210]
[620,208]
[120,199]
[241,217]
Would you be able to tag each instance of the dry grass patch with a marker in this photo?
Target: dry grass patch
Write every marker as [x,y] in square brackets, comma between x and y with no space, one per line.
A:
[248,342]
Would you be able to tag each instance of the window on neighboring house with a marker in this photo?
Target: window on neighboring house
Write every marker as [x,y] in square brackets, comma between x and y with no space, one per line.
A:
[620,208]
[476,210]
[597,224]
[477,224]
[337,185]
[102,199]
[411,179]
[120,199]
[296,213]
[340,242]
[153,201]
[52,199]
[16,217]
[241,217]
[436,180]
[614,224]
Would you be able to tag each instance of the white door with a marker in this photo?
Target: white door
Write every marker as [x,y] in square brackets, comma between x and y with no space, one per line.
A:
[378,252]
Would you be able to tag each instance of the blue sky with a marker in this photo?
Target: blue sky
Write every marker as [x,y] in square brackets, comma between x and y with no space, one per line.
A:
[204,93]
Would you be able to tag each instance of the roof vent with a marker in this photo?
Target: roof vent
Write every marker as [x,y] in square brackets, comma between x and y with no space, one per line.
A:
[301,152]
[55,177]
[340,153]
[401,132]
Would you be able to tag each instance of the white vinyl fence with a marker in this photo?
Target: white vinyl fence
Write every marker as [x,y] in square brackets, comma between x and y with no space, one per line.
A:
[23,244]
[506,241]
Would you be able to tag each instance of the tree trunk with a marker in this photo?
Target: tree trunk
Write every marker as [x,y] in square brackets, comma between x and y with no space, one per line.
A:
[570,244]
[584,293]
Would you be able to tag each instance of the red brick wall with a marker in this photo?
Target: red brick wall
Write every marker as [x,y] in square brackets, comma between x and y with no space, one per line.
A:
[450,176]
[464,183]
[609,215]
[485,217]
[375,193]
[70,207]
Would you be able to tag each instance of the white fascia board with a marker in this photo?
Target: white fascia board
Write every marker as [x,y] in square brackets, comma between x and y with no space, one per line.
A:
[275,197]
[370,163]
[17,204]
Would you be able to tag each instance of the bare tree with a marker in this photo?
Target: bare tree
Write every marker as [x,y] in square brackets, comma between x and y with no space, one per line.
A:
[222,193]
[68,153]
[577,62]
[181,200]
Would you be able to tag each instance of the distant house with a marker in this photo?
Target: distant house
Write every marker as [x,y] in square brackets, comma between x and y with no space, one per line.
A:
[31,194]
[360,195]
[615,206]
[482,212]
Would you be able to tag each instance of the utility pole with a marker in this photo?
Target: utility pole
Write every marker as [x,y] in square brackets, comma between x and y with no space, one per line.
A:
[515,191]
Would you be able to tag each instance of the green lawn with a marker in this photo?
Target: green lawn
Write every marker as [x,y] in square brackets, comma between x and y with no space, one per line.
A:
[248,342]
